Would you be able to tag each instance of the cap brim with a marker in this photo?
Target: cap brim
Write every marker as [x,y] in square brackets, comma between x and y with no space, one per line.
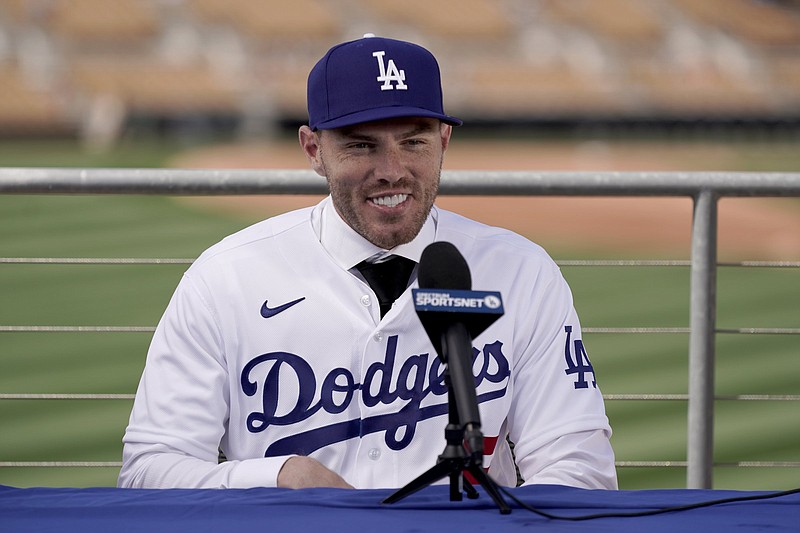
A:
[382,113]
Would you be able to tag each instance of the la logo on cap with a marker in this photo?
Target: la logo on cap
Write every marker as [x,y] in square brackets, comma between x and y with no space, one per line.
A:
[390,73]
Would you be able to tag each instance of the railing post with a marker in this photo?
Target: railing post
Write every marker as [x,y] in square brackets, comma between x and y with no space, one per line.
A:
[700,442]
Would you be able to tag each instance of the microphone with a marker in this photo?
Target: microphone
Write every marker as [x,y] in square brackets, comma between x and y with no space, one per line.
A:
[443,267]
[452,315]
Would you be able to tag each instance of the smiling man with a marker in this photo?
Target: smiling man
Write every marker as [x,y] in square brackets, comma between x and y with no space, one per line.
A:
[283,348]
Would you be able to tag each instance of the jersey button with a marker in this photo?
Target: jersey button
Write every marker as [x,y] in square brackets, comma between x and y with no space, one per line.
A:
[378,336]
[374,454]
[366,300]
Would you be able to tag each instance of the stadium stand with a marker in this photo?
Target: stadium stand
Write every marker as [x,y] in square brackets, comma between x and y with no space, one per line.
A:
[787,72]
[704,91]
[762,22]
[522,60]
[503,90]
[97,23]
[448,19]
[631,22]
[154,88]
[271,19]
[28,110]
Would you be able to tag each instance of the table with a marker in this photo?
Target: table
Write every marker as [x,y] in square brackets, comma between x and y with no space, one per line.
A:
[361,511]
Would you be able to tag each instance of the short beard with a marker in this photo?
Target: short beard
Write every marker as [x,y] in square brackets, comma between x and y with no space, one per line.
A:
[384,240]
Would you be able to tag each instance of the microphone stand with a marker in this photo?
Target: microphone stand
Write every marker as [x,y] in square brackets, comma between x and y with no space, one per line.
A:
[455,461]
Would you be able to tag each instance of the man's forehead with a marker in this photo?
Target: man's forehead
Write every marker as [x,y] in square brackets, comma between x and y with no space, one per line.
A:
[393,126]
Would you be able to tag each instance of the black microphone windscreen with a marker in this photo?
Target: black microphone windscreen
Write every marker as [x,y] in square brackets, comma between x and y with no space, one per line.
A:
[443,267]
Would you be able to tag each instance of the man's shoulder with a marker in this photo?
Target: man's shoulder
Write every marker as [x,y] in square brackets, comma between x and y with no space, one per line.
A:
[261,235]
[498,257]
[472,236]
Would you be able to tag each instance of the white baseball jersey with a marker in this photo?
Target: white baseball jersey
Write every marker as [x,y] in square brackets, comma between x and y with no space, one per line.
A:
[272,347]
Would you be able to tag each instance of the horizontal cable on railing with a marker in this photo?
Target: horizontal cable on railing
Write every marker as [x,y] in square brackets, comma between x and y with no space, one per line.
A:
[650,464]
[610,397]
[670,263]
[761,397]
[686,330]
[560,262]
[637,330]
[77,329]
[619,464]
[759,264]
[623,262]
[64,396]
[685,397]
[761,464]
[684,464]
[151,329]
[54,464]
[648,397]
[95,260]
[760,331]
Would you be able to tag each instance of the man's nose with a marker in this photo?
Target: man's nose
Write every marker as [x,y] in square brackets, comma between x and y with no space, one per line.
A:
[390,164]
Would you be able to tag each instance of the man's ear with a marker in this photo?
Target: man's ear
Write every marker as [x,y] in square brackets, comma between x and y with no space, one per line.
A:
[310,143]
[446,131]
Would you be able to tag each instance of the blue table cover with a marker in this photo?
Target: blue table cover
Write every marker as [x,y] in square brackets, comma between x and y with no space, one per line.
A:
[361,511]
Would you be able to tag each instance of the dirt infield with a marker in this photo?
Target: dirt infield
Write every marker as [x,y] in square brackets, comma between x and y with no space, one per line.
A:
[749,228]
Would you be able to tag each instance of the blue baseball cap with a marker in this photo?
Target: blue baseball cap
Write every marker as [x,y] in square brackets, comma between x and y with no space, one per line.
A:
[374,78]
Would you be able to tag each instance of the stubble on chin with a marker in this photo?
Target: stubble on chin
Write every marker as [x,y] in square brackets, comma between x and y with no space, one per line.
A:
[382,233]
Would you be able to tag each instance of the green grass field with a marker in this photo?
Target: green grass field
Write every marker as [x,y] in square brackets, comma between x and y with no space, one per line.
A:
[154,226]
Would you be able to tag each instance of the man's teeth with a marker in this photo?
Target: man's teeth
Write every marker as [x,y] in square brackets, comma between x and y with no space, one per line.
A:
[390,201]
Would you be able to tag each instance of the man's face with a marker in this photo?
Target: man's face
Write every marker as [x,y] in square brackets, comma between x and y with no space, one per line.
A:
[383,175]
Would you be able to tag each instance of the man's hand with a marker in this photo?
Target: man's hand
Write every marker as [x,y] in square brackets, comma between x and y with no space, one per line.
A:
[304,472]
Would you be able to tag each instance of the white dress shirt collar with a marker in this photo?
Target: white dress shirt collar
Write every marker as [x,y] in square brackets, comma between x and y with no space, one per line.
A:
[348,248]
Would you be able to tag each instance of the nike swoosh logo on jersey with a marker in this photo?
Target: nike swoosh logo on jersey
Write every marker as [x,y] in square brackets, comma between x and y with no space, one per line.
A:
[268,312]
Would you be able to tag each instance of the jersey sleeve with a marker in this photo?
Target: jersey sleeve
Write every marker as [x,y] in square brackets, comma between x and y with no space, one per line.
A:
[557,419]
[182,404]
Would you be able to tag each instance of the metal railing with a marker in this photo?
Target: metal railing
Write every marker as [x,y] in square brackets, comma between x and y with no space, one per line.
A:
[704,188]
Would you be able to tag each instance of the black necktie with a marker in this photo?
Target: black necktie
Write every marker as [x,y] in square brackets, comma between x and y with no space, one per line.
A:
[388,278]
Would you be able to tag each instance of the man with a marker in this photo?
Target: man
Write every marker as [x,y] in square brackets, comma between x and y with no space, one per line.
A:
[276,350]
